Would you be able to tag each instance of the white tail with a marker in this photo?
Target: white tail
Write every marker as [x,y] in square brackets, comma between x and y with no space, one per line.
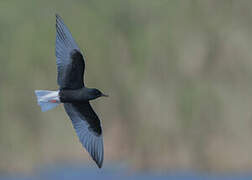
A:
[47,99]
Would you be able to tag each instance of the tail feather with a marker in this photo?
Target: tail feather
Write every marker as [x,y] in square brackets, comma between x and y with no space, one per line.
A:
[47,99]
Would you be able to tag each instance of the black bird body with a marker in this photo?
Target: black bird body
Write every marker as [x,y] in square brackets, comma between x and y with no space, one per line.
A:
[74,94]
[79,95]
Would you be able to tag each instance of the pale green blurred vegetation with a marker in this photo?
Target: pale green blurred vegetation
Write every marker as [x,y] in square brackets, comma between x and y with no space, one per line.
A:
[179,76]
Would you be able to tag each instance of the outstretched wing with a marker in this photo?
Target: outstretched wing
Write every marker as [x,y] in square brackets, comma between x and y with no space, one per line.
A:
[69,59]
[88,128]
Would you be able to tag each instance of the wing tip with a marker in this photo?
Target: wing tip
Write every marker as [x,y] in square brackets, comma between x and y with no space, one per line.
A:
[98,159]
[99,165]
[58,19]
[98,153]
[57,16]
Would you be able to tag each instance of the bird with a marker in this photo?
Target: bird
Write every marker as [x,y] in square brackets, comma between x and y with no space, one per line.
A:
[73,93]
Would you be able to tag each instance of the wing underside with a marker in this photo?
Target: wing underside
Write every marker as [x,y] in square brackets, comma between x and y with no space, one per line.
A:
[69,59]
[88,130]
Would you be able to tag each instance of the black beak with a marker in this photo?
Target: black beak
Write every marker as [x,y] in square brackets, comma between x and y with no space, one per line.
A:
[105,95]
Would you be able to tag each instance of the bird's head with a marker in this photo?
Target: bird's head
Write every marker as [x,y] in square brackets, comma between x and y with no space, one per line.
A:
[96,93]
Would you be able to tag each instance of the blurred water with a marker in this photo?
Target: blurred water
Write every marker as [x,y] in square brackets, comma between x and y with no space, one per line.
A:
[69,172]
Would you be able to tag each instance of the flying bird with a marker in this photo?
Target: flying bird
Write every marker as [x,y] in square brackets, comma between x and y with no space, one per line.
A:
[74,94]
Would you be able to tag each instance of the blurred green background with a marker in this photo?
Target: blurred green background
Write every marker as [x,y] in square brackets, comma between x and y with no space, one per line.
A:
[179,76]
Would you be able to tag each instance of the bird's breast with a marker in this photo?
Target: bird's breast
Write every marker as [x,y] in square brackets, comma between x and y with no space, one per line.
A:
[71,96]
